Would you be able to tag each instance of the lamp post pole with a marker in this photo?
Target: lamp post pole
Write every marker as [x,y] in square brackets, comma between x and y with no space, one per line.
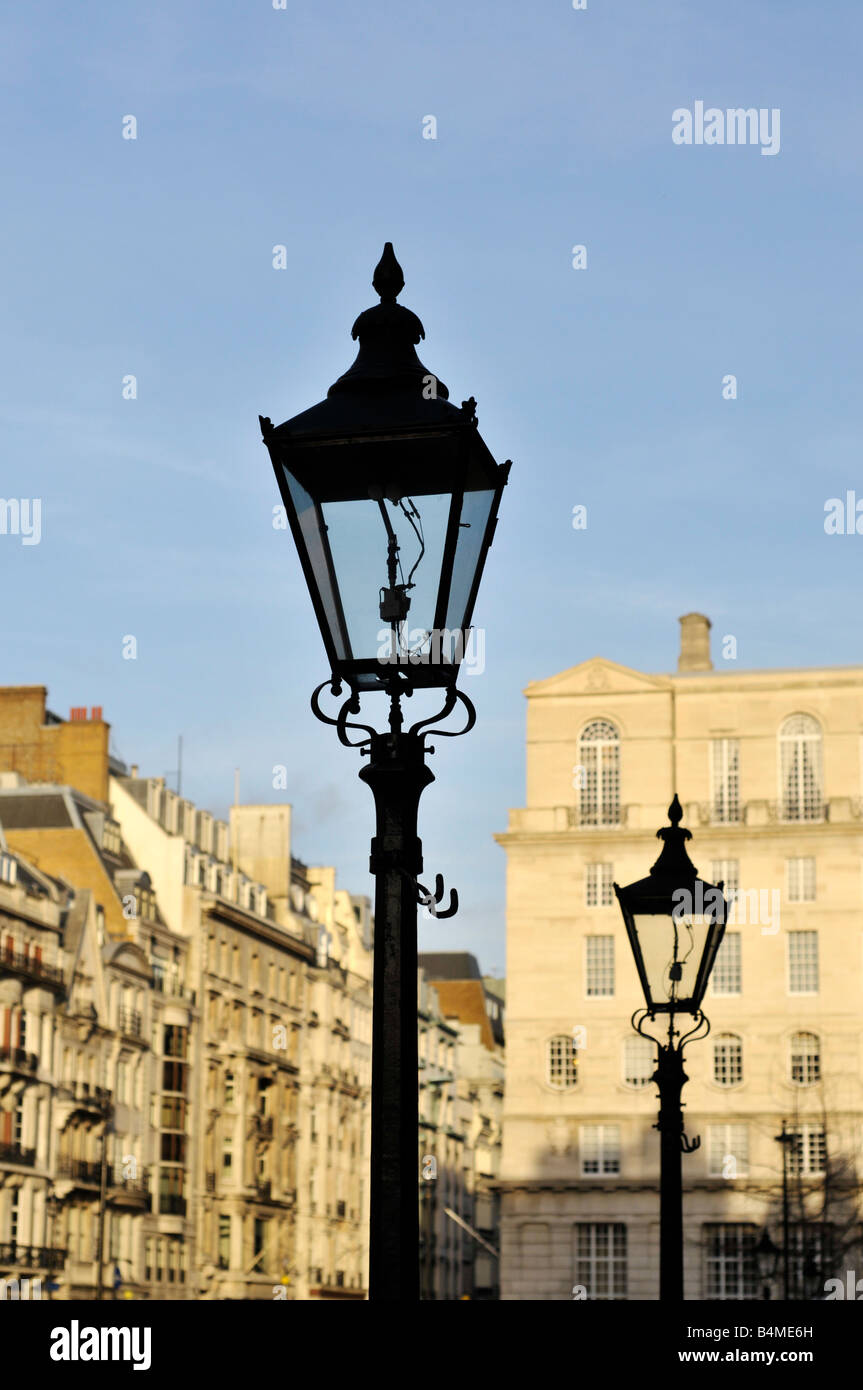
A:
[786,1141]
[397,775]
[670,1077]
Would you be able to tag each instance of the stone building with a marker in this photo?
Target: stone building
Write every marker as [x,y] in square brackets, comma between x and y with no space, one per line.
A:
[117,1036]
[42,747]
[769,767]
[476,1007]
[280,1064]
[204,1090]
[32,982]
[444,1159]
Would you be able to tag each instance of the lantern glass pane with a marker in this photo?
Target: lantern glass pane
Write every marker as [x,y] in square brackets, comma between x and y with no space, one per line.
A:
[665,942]
[309,519]
[358,542]
[475,511]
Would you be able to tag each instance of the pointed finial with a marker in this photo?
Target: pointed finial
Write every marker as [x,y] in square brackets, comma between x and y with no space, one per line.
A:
[388,279]
[675,811]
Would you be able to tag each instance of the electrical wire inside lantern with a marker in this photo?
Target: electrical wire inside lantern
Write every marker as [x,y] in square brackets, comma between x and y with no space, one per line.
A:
[394,601]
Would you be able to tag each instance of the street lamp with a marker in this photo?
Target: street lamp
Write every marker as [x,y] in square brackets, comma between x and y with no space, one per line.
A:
[392,499]
[675,922]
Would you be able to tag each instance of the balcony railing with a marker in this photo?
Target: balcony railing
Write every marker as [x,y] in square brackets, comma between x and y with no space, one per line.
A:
[786,813]
[130,1022]
[80,1170]
[264,1189]
[20,964]
[165,985]
[265,1126]
[138,1187]
[596,817]
[30,1256]
[18,1058]
[88,1096]
[211,1182]
[13,1153]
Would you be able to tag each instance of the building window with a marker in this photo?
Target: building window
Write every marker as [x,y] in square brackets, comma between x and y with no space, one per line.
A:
[599,757]
[639,1062]
[173,1112]
[227,1155]
[728,1060]
[801,879]
[728,1151]
[175,1040]
[600,1258]
[224,1242]
[727,975]
[598,889]
[805,1059]
[800,769]
[803,962]
[600,1150]
[727,872]
[725,768]
[172,1148]
[730,1270]
[599,966]
[561,1063]
[813,1259]
[174,1076]
[807,1154]
[229,1088]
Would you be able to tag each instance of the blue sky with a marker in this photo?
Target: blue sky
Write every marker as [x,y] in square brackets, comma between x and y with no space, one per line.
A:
[303,127]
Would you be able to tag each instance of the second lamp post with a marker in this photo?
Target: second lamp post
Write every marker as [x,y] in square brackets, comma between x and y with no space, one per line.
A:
[675,923]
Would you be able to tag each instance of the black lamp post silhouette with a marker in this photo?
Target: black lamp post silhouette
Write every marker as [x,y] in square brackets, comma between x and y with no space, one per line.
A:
[811,1263]
[675,922]
[392,499]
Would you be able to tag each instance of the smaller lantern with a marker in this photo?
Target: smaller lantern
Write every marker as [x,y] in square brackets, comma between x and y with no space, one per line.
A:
[675,923]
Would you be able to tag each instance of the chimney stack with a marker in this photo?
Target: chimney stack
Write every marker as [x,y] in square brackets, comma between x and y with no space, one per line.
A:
[694,643]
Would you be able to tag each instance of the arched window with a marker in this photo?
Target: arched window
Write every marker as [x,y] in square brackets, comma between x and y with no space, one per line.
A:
[728,1060]
[639,1062]
[561,1066]
[800,779]
[599,755]
[805,1059]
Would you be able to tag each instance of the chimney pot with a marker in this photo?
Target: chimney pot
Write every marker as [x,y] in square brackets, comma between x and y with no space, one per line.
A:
[694,643]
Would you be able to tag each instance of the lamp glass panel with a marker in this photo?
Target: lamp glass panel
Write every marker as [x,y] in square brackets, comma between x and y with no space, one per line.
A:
[665,941]
[475,511]
[358,543]
[309,521]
